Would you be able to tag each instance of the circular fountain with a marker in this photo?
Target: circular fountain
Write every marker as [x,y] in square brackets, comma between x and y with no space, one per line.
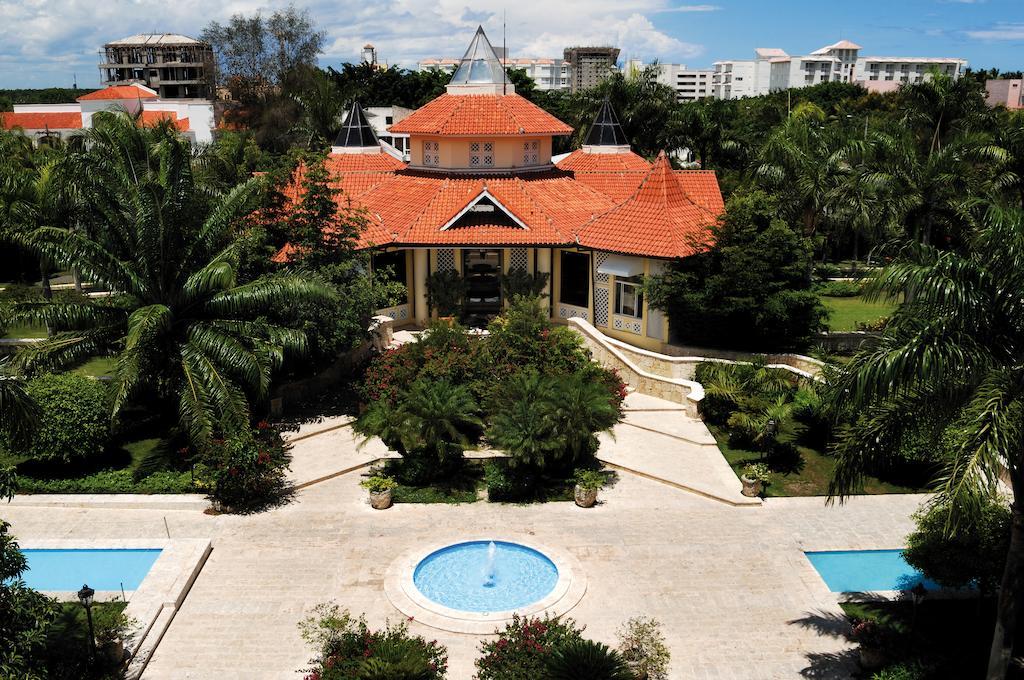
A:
[470,586]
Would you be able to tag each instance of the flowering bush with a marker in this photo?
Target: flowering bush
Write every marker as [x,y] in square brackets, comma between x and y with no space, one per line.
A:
[245,469]
[643,647]
[523,646]
[346,649]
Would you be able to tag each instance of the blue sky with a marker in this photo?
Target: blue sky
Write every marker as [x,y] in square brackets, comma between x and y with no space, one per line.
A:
[44,42]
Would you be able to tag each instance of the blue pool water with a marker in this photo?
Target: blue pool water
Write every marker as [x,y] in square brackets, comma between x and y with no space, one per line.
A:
[858,571]
[101,569]
[458,576]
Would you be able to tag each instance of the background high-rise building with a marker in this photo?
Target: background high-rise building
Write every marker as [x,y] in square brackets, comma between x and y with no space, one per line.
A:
[175,66]
[690,84]
[772,69]
[588,66]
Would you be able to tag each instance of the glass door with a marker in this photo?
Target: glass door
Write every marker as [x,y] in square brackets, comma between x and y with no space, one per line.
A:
[482,271]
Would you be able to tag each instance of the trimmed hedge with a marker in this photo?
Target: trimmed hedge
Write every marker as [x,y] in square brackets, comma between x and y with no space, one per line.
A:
[75,423]
[111,481]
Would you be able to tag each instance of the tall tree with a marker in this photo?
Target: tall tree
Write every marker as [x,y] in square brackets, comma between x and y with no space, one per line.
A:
[183,326]
[950,364]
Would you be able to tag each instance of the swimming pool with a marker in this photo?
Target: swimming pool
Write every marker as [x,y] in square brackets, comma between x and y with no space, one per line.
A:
[861,571]
[102,569]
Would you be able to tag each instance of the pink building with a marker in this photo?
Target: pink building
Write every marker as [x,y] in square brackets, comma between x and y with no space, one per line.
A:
[1007,92]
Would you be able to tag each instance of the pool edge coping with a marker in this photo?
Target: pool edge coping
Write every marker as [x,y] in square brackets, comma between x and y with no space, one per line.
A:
[156,600]
[403,594]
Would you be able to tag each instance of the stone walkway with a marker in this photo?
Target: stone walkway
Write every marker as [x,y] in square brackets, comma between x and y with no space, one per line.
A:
[736,597]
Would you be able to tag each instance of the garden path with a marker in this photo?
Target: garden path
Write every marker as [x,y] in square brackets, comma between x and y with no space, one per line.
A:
[734,593]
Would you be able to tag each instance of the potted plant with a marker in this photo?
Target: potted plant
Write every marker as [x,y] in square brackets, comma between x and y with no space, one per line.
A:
[381,489]
[872,640]
[588,483]
[111,626]
[643,648]
[754,476]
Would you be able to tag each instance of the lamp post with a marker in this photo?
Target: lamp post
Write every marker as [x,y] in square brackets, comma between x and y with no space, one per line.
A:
[917,594]
[86,596]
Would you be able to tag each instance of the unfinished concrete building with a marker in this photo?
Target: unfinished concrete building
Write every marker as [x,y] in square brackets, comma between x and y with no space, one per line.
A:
[175,66]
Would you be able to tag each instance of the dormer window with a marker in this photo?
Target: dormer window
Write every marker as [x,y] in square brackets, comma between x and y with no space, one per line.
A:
[430,154]
[481,154]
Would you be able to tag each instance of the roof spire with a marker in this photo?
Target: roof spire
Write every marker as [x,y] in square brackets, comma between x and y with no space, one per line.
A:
[356,135]
[606,132]
[480,71]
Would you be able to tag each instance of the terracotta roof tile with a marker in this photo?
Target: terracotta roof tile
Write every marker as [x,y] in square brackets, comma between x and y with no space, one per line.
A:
[662,214]
[153,117]
[56,120]
[119,92]
[616,174]
[497,115]
[659,220]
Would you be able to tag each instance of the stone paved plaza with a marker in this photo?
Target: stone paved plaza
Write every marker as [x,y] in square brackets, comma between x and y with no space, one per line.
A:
[730,585]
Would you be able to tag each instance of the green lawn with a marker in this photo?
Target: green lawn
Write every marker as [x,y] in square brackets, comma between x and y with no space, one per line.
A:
[25,331]
[809,475]
[98,367]
[845,312]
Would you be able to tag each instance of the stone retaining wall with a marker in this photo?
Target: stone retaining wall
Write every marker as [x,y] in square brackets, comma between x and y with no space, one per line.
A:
[301,390]
[610,354]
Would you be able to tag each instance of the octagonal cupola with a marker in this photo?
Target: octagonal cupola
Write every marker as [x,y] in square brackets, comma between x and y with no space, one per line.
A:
[606,134]
[480,125]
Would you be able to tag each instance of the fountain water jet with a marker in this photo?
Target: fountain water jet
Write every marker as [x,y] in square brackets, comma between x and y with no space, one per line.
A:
[489,566]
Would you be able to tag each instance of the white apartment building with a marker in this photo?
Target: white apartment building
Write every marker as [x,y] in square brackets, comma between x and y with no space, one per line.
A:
[547,73]
[772,70]
[690,84]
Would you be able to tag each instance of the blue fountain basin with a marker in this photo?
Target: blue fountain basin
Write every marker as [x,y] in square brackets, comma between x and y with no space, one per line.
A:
[459,577]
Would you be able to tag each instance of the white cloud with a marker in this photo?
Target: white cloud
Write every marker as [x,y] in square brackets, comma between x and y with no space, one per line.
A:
[697,8]
[1000,31]
[43,41]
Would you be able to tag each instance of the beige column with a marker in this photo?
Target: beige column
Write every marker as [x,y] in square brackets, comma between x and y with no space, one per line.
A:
[544,266]
[421,271]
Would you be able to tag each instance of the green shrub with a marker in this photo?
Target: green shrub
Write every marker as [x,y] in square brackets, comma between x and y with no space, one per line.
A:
[75,422]
[643,647]
[901,672]
[586,659]
[973,553]
[506,483]
[518,282]
[112,481]
[839,289]
[347,649]
[26,614]
[589,479]
[378,484]
[446,292]
[246,469]
[523,646]
[827,271]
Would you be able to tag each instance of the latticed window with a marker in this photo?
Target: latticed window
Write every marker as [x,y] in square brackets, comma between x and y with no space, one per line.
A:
[430,154]
[481,154]
[530,152]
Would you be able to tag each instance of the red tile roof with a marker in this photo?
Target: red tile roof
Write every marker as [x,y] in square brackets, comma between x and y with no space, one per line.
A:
[659,220]
[615,174]
[490,114]
[660,216]
[153,117]
[119,92]
[56,120]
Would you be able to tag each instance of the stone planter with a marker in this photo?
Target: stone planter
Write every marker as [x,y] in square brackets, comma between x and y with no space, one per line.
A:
[112,651]
[751,487]
[381,500]
[585,498]
[871,658]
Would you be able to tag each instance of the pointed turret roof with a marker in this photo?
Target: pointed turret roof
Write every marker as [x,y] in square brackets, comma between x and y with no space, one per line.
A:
[659,220]
[356,133]
[606,130]
[479,65]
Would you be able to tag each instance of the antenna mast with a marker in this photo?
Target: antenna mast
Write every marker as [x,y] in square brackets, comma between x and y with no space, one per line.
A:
[504,56]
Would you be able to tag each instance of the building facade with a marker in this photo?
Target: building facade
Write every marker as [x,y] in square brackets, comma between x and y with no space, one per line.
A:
[481,197]
[43,122]
[588,66]
[548,73]
[1008,92]
[174,66]
[773,70]
[690,84]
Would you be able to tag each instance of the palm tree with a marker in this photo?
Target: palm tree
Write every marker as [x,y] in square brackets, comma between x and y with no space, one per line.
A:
[949,364]
[583,408]
[701,127]
[182,325]
[586,660]
[523,420]
[802,160]
[940,107]
[432,418]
